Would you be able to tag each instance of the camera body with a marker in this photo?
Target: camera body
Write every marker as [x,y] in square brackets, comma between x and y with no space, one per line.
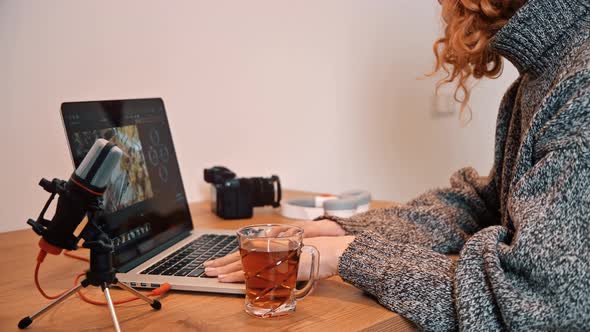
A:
[235,198]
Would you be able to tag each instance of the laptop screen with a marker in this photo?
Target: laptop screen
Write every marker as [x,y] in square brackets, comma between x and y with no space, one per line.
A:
[145,204]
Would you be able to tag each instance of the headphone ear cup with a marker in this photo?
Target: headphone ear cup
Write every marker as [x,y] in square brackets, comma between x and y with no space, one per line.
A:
[348,204]
[345,203]
[301,209]
[309,208]
[363,197]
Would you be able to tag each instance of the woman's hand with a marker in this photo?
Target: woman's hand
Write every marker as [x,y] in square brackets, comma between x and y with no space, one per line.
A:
[321,228]
[331,249]
[229,268]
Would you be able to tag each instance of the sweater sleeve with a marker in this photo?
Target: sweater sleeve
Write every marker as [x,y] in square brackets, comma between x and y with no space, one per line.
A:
[537,278]
[441,219]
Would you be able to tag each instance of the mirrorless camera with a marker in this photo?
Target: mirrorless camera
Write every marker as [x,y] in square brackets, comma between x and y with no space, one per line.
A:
[235,198]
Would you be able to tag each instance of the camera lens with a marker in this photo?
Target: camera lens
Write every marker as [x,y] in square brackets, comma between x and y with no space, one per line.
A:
[264,191]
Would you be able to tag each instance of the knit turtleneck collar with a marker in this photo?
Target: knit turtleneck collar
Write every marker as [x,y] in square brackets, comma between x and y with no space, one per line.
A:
[535,37]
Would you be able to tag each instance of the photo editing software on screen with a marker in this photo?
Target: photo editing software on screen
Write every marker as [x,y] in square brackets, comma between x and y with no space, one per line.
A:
[145,203]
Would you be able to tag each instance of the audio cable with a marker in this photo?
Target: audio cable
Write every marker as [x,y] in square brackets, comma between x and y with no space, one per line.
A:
[163,289]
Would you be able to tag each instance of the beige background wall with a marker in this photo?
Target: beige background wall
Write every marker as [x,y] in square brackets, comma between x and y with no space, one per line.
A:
[322,92]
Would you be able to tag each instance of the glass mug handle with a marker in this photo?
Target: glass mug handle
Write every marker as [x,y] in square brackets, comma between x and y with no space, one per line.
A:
[313,272]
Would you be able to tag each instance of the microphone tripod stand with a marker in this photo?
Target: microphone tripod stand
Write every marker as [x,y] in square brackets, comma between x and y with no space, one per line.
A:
[101,274]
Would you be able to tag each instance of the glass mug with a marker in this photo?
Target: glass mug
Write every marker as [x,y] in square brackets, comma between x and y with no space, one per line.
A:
[270,260]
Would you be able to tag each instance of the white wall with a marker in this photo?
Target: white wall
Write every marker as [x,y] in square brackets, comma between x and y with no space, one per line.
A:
[323,92]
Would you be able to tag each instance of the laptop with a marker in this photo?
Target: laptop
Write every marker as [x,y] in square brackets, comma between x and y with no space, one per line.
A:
[146,213]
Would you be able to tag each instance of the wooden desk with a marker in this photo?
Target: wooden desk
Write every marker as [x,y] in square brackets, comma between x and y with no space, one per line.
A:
[334,305]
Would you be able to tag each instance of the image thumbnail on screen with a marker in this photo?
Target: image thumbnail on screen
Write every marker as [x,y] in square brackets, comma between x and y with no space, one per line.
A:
[130,183]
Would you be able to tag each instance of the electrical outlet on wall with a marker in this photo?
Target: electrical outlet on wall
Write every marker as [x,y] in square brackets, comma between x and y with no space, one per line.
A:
[443,102]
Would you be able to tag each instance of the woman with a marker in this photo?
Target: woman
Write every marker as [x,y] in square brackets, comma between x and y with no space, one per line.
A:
[522,233]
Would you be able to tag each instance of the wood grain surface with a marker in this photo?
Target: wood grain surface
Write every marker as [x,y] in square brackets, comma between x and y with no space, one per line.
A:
[333,306]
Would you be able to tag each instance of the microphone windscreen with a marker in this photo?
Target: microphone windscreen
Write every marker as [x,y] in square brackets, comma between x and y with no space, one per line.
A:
[100,162]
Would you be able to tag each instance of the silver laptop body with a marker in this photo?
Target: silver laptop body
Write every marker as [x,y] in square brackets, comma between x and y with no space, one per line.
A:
[136,279]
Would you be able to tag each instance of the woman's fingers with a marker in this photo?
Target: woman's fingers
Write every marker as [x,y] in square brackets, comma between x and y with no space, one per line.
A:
[221,270]
[281,231]
[237,276]
[322,228]
[226,269]
[235,256]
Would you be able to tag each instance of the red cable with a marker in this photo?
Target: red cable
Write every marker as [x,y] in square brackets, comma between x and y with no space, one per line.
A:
[45,295]
[158,291]
[42,254]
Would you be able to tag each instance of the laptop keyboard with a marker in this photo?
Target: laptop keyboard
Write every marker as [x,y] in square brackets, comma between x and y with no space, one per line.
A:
[188,260]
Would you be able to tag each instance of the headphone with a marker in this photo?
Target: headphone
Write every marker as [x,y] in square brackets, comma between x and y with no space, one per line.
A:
[344,205]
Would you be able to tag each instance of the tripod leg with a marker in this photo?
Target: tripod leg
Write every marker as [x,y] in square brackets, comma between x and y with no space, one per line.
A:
[107,294]
[25,322]
[154,303]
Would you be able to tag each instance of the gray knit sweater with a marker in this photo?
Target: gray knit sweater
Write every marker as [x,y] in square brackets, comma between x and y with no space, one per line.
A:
[523,232]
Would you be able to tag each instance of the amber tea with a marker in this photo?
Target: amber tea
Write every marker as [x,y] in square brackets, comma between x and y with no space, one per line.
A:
[270,260]
[270,275]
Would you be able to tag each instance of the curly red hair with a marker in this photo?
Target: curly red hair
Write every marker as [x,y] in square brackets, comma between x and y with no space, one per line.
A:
[463,52]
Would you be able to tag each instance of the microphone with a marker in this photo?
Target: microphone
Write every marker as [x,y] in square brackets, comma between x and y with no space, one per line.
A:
[96,168]
[81,194]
